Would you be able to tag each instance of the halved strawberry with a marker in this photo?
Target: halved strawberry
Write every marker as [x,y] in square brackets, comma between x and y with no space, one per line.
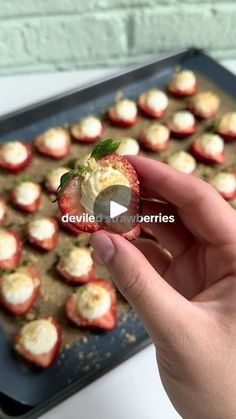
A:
[81,257]
[30,207]
[175,127]
[153,103]
[108,320]
[48,239]
[3,211]
[69,199]
[123,113]
[225,184]
[155,138]
[54,152]
[45,359]
[204,105]
[21,308]
[82,131]
[226,126]
[13,261]
[197,151]
[151,113]
[179,94]
[16,167]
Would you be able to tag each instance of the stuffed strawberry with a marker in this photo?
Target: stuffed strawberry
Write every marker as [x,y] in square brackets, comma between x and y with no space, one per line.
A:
[15,156]
[19,289]
[10,249]
[76,267]
[39,342]
[80,187]
[42,232]
[93,305]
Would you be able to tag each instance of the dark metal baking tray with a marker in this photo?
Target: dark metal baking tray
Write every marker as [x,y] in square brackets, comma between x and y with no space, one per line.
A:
[27,394]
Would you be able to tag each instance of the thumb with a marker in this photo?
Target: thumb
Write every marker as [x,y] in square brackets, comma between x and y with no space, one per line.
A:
[161,308]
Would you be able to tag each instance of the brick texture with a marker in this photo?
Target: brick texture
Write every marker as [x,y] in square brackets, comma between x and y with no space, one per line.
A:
[65,34]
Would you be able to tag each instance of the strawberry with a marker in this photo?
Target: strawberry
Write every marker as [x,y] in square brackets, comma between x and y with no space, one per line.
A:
[34,204]
[47,243]
[90,294]
[83,132]
[16,167]
[44,359]
[197,151]
[42,143]
[119,121]
[69,196]
[21,308]
[78,257]
[13,261]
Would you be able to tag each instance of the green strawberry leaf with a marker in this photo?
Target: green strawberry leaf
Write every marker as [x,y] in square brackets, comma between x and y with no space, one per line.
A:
[104,148]
[80,171]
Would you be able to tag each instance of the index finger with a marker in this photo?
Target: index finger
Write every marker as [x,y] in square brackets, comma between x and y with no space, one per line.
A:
[200,207]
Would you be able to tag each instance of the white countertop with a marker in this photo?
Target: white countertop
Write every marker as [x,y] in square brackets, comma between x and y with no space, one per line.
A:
[133,390]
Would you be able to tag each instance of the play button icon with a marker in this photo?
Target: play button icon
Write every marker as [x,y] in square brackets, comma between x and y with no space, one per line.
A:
[115,209]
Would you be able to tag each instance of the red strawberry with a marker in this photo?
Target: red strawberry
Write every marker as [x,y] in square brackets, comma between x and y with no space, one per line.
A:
[43,360]
[119,121]
[204,157]
[48,243]
[179,94]
[107,321]
[22,308]
[77,131]
[69,199]
[55,153]
[29,208]
[16,167]
[13,261]
[81,255]
[179,132]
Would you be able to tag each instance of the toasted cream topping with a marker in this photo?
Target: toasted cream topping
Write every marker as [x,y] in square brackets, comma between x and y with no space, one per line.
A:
[2,209]
[8,245]
[100,178]
[155,99]
[90,127]
[13,152]
[54,177]
[157,133]
[206,102]
[54,139]
[125,109]
[211,143]
[41,229]
[39,336]
[17,287]
[26,193]
[183,80]
[228,123]
[128,146]
[78,262]
[93,301]
[182,161]
[224,182]
[183,120]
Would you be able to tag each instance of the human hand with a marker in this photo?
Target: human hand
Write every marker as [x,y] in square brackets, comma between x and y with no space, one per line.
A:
[186,301]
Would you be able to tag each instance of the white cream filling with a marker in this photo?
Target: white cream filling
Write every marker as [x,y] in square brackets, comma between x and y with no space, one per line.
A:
[39,336]
[78,262]
[156,100]
[157,134]
[211,143]
[183,120]
[126,109]
[8,245]
[54,177]
[2,210]
[206,102]
[17,288]
[128,146]
[26,193]
[99,179]
[184,80]
[224,182]
[41,229]
[54,139]
[90,127]
[182,161]
[228,122]
[13,152]
[93,301]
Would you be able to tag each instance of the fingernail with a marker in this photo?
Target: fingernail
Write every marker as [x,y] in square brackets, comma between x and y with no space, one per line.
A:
[103,246]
